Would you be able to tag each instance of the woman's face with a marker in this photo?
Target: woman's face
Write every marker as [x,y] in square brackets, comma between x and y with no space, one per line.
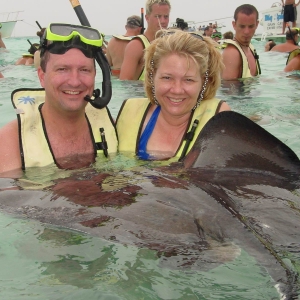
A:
[177,84]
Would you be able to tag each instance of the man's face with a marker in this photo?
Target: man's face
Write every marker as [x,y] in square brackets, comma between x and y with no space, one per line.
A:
[209,31]
[245,27]
[68,78]
[158,17]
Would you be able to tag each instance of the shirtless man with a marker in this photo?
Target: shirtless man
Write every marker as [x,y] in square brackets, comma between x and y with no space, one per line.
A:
[157,17]
[239,56]
[117,44]
[289,13]
[61,128]
[293,64]
[291,43]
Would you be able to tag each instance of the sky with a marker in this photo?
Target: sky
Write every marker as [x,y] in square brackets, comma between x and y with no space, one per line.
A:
[110,16]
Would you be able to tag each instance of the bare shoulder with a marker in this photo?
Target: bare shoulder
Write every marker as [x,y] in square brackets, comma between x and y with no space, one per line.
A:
[9,148]
[230,50]
[224,107]
[135,45]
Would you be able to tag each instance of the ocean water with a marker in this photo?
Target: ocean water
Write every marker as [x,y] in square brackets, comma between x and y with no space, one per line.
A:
[40,261]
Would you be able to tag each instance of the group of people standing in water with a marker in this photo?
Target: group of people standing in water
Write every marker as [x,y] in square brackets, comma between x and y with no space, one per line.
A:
[181,71]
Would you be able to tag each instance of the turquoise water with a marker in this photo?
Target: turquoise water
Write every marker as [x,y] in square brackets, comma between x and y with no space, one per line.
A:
[40,261]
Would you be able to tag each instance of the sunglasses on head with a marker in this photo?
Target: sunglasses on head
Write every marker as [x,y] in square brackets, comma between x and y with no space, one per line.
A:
[198,36]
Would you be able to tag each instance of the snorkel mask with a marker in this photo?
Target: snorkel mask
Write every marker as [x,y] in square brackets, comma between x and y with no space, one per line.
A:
[216,35]
[58,38]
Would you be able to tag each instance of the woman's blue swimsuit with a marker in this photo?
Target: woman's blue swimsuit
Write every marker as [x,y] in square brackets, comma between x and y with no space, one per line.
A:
[142,150]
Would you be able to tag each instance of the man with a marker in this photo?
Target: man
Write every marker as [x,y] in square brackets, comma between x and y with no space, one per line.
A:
[116,45]
[239,56]
[289,13]
[208,30]
[157,17]
[57,126]
[291,41]
[293,62]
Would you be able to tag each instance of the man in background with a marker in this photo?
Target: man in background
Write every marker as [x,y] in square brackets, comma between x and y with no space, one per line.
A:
[291,41]
[239,56]
[208,30]
[157,17]
[117,44]
[289,13]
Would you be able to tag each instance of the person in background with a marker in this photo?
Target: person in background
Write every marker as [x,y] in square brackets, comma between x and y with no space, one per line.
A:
[289,13]
[291,41]
[36,57]
[181,80]
[269,45]
[27,59]
[216,36]
[239,56]
[104,43]
[181,24]
[2,45]
[57,125]
[157,17]
[292,62]
[208,30]
[116,45]
[228,35]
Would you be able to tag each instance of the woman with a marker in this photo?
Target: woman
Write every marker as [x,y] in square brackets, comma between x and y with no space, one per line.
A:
[182,76]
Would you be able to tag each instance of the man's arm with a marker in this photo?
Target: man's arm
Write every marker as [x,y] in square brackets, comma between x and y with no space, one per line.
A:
[233,63]
[10,158]
[293,65]
[108,57]
[133,55]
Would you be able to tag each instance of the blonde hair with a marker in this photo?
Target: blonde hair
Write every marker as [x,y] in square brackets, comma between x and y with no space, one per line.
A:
[202,51]
[150,3]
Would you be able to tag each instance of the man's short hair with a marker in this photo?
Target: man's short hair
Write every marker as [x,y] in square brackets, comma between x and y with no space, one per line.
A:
[150,3]
[246,9]
[289,35]
[134,21]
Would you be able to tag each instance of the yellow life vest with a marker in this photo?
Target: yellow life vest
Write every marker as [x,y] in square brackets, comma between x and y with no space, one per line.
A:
[35,148]
[132,115]
[246,73]
[123,37]
[146,43]
[292,54]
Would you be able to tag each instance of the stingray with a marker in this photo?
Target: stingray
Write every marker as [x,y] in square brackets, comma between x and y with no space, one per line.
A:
[236,189]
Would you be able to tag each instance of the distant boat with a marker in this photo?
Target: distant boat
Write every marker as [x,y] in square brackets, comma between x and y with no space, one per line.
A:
[272,20]
[8,21]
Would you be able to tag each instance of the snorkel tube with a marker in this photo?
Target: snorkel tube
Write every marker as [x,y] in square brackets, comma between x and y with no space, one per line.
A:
[292,37]
[142,20]
[97,101]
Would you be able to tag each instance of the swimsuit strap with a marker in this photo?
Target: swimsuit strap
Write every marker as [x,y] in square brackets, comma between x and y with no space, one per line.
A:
[142,151]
